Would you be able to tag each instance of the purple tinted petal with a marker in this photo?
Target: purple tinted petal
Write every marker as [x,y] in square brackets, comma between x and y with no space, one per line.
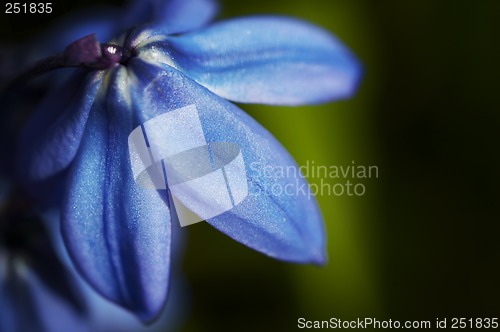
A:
[117,233]
[88,52]
[286,226]
[272,60]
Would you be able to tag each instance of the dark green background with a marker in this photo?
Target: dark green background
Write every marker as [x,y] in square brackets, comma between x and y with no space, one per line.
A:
[423,242]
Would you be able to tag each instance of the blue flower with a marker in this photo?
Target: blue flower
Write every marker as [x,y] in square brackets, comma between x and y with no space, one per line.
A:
[118,233]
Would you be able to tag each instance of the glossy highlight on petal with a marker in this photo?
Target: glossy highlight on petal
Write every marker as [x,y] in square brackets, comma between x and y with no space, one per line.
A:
[117,233]
[271,60]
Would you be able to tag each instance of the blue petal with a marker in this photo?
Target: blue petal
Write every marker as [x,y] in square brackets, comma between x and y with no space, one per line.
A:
[272,60]
[175,16]
[286,226]
[27,304]
[51,138]
[117,233]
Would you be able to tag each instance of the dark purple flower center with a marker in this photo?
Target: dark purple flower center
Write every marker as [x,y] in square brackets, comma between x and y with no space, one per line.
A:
[87,52]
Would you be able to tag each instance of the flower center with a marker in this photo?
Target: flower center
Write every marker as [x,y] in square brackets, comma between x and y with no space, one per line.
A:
[85,52]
